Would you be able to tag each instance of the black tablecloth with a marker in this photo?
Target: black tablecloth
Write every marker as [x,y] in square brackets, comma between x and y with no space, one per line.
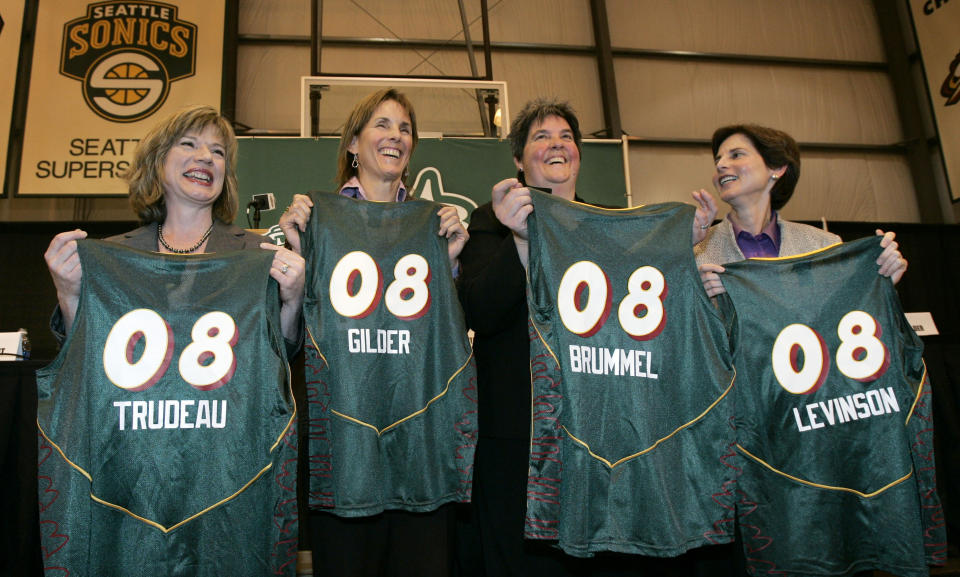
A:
[20,553]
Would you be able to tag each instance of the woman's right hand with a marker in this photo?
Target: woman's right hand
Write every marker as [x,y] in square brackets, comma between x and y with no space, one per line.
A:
[294,220]
[63,260]
[706,212]
[512,204]
[710,277]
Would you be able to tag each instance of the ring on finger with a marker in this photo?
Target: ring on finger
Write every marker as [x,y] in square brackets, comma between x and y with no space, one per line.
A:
[284,268]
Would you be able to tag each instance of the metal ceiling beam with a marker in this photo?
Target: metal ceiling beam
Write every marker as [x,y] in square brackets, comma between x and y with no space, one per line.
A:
[608,80]
[484,121]
[908,106]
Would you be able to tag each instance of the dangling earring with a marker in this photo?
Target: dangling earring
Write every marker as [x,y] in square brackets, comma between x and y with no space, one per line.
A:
[356,161]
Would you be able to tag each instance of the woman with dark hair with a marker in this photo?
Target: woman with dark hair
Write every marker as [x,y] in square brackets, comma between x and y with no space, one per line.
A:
[545,142]
[757,169]
[183,188]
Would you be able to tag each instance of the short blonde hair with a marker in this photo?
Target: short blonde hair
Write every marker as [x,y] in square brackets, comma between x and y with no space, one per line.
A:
[359,117]
[145,175]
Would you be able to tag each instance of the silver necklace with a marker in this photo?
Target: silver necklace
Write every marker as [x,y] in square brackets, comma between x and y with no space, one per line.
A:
[193,248]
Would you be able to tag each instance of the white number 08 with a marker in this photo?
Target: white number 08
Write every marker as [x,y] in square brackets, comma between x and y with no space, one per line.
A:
[861,355]
[208,362]
[641,313]
[356,283]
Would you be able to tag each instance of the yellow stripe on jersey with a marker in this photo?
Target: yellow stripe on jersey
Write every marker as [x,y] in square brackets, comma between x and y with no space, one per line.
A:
[821,486]
[659,441]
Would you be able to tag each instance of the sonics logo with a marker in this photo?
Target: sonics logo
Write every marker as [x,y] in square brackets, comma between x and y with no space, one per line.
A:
[126,54]
[951,85]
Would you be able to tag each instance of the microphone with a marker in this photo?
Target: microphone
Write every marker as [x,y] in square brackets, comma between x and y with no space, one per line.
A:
[260,203]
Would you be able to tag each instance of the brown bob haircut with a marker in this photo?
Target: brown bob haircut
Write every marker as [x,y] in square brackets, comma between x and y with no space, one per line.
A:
[145,175]
[359,117]
[777,148]
[535,112]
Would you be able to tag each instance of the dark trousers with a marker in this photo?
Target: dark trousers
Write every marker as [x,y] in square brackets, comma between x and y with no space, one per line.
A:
[391,544]
[490,530]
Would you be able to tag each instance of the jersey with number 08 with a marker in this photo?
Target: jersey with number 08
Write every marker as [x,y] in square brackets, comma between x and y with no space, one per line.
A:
[389,368]
[167,440]
[631,380]
[833,418]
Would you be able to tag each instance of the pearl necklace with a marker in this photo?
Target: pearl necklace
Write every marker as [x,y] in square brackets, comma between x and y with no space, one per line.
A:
[193,248]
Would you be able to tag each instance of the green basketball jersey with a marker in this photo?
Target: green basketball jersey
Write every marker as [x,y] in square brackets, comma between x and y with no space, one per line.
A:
[833,419]
[631,377]
[389,369]
[167,443]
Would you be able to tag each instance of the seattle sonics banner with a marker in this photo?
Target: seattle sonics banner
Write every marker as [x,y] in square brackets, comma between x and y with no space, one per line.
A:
[11,23]
[457,171]
[936,23]
[103,73]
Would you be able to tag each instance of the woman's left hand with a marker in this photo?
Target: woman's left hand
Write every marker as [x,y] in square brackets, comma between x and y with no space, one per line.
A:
[710,277]
[294,219]
[706,212]
[892,263]
[288,269]
[452,228]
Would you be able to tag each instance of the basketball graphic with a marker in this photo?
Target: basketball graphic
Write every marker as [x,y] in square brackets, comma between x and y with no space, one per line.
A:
[126,55]
[126,95]
[126,86]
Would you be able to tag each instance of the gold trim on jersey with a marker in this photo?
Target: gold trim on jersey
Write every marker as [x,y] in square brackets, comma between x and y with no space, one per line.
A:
[62,454]
[380,432]
[916,398]
[82,471]
[659,441]
[191,517]
[793,256]
[607,208]
[543,340]
[639,453]
[320,354]
[822,486]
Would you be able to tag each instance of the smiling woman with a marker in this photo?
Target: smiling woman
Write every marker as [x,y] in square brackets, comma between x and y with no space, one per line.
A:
[756,171]
[376,144]
[159,346]
[545,143]
[373,159]
[551,157]
[383,150]
[194,168]
[183,188]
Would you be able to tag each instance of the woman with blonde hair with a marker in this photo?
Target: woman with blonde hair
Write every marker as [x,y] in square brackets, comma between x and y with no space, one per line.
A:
[183,188]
